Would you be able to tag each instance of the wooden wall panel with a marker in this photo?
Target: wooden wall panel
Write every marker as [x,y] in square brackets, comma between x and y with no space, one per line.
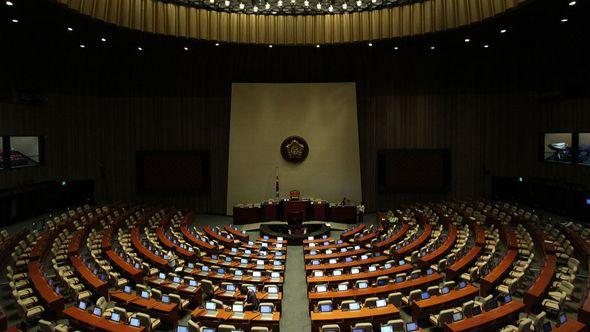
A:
[170,19]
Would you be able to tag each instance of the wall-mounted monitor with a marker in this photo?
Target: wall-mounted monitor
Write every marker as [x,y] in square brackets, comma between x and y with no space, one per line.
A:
[414,171]
[584,149]
[558,147]
[21,151]
[173,171]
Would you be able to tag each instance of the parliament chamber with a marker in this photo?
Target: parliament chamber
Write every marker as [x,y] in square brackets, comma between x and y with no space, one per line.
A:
[300,165]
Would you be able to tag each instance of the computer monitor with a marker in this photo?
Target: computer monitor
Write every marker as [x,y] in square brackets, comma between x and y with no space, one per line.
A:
[310,238]
[382,282]
[425,296]
[220,271]
[278,254]
[476,310]
[230,287]
[444,290]
[228,259]
[234,249]
[462,284]
[176,280]
[165,256]
[247,251]
[547,327]
[213,256]
[145,294]
[562,319]
[362,285]
[386,328]
[358,330]
[275,275]
[342,287]
[265,237]
[272,290]
[165,298]
[429,272]
[257,274]
[493,304]
[402,262]
[363,257]
[192,283]
[127,289]
[357,247]
[381,303]
[279,238]
[259,262]
[137,266]
[279,245]
[457,316]
[115,317]
[321,289]
[162,276]
[325,307]
[372,268]
[134,322]
[238,273]
[265,309]
[237,307]
[250,243]
[387,266]
[354,306]
[348,259]
[210,305]
[399,279]
[205,268]
[330,251]
[342,250]
[243,261]
[276,263]
[97,311]
[318,273]
[507,298]
[355,270]
[181,328]
[82,305]
[411,326]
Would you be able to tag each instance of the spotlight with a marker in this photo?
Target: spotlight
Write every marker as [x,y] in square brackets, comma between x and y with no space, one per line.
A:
[9,3]
[14,20]
[486,46]
[503,31]
[344,6]
[70,29]
[572,3]
[103,39]
[467,40]
[82,46]
[432,47]
[186,48]
[563,20]
[317,46]
[139,48]
[370,44]
[270,46]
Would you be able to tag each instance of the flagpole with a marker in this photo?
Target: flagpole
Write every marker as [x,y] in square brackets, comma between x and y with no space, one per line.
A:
[277,182]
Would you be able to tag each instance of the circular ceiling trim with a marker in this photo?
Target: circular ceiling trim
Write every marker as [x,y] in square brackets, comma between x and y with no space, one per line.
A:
[182,21]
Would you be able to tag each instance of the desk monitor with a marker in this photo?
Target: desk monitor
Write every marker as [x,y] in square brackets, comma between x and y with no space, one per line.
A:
[115,317]
[220,271]
[325,308]
[256,274]
[192,283]
[230,287]
[562,319]
[238,273]
[243,261]
[276,263]
[507,298]
[340,242]
[358,330]
[247,252]
[386,328]
[205,268]
[259,262]
[363,257]
[181,328]
[399,279]
[279,245]
[57,290]
[97,311]
[348,259]
[341,250]
[265,309]
[275,275]
[127,289]
[382,282]
[210,305]
[134,322]
[318,273]
[357,247]
[279,238]
[214,257]
[425,296]
[377,254]
[176,280]
[381,303]
[337,272]
[355,270]
[457,316]
[329,252]
[162,276]
[462,284]
[165,298]
[228,259]
[332,261]
[321,289]
[272,290]
[145,294]
[547,327]
[237,307]
[250,243]
[444,290]
[402,262]
[278,254]
[342,287]
[362,285]
[191,250]
[310,238]
[166,257]
[234,249]
[411,326]
[82,305]
[251,287]
[429,272]
[372,268]
[387,266]
[137,266]
[354,306]
[265,237]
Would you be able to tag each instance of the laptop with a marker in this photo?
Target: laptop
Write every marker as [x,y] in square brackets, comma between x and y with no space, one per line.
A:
[145,295]
[381,303]
[211,308]
[181,328]
[82,305]
[134,322]
[165,299]
[362,285]
[115,317]
[243,262]
[238,311]
[425,296]
[256,275]
[386,328]
[176,281]
[275,276]
[266,312]
[457,316]
[161,278]
[204,271]
[97,311]
[354,306]
[192,285]
[372,268]
[342,287]
[411,326]
[321,289]
[230,289]
[273,292]
[326,308]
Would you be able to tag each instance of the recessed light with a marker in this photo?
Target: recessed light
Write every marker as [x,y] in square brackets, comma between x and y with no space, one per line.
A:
[269,46]
[563,20]
[317,46]
[432,47]
[216,44]
[467,40]
[82,46]
[572,3]
[14,20]
[9,3]
[139,48]
[370,44]
[503,31]
[70,29]
[186,48]
[396,48]
[103,39]
[486,46]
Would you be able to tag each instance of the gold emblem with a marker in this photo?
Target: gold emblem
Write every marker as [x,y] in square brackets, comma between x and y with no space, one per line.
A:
[295,149]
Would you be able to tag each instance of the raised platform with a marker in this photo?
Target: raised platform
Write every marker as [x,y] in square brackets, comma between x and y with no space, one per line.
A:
[276,229]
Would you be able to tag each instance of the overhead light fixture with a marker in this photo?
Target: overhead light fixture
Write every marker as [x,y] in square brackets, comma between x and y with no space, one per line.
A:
[139,48]
[255,9]
[467,40]
[14,20]
[317,46]
[103,39]
[344,6]
[572,3]
[563,20]
[9,3]
[82,46]
[503,31]
[70,29]
[486,46]
[241,6]
[186,48]
[370,44]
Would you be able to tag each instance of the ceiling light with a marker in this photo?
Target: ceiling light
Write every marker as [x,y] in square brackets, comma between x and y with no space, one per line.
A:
[280,3]
[70,29]
[14,20]
[317,46]
[216,44]
[103,39]
[563,20]
[82,46]
[503,31]
[370,44]
[241,5]
[9,3]
[359,3]
[139,48]
[486,46]
[344,6]
[432,47]
[186,48]
[571,3]
[255,9]
[467,40]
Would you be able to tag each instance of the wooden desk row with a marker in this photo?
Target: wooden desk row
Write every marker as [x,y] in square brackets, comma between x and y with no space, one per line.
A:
[351,232]
[89,278]
[496,275]
[428,259]
[127,269]
[385,244]
[53,301]
[167,312]
[345,318]
[359,276]
[145,252]
[87,320]
[488,320]
[226,317]
[427,230]
[422,309]
[342,265]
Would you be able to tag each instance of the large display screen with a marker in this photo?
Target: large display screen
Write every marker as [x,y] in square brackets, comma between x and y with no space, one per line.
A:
[170,172]
[557,147]
[414,171]
[584,149]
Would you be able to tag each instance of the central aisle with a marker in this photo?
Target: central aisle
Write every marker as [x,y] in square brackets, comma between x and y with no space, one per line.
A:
[294,314]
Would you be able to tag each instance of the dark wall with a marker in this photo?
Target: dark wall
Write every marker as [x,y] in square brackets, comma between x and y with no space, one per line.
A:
[99,105]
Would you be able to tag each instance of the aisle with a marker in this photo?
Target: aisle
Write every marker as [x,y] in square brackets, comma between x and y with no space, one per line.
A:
[294,316]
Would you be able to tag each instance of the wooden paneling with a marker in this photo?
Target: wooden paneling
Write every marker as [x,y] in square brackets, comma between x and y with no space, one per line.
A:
[170,19]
